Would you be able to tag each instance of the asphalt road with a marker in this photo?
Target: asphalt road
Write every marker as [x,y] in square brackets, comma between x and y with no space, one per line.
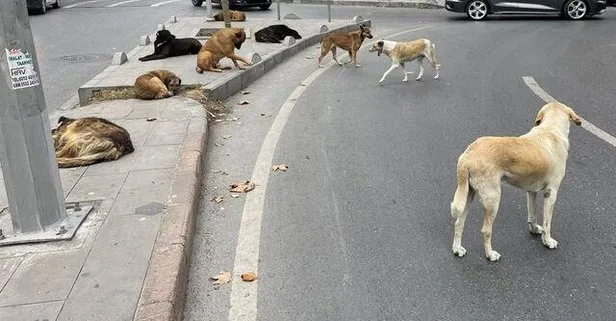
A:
[359,227]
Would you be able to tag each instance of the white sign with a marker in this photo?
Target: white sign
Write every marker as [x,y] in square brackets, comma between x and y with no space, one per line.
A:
[21,68]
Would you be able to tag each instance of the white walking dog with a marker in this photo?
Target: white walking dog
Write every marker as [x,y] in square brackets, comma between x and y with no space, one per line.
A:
[535,162]
[401,52]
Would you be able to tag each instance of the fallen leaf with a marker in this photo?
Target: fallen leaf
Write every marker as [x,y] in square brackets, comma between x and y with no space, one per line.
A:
[309,57]
[151,119]
[243,102]
[262,114]
[248,277]
[215,170]
[235,195]
[218,199]
[226,136]
[246,92]
[219,144]
[223,277]
[242,187]
[281,167]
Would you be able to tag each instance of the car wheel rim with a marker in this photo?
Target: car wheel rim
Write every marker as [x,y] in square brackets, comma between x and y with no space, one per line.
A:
[576,9]
[477,10]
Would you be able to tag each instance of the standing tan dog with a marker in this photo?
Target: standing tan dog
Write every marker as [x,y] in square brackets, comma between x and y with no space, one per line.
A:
[233,16]
[349,41]
[90,140]
[401,52]
[220,45]
[535,162]
[156,84]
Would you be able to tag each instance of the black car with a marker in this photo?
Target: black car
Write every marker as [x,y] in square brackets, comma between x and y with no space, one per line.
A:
[40,6]
[572,9]
[236,4]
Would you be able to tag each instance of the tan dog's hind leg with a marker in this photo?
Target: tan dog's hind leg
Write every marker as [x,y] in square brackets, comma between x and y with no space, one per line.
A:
[457,247]
[490,197]
[325,48]
[333,50]
[548,208]
[531,205]
[432,60]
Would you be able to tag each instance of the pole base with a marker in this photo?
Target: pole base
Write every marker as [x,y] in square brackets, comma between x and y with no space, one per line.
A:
[65,230]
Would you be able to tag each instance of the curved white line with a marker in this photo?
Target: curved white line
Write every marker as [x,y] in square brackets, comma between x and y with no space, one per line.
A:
[534,86]
[244,294]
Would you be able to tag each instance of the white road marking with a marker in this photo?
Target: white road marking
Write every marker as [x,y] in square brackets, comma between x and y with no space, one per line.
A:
[121,3]
[81,4]
[534,86]
[163,3]
[244,294]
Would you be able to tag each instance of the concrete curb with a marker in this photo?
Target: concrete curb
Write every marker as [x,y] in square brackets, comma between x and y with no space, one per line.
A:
[371,3]
[164,288]
[224,87]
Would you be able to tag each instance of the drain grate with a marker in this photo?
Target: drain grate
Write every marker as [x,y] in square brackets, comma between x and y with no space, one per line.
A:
[85,58]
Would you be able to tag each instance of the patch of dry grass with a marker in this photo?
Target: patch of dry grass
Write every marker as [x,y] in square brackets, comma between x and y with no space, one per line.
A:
[212,106]
[113,94]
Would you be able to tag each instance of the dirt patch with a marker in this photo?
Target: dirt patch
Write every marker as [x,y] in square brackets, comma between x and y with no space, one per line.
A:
[113,94]
[214,108]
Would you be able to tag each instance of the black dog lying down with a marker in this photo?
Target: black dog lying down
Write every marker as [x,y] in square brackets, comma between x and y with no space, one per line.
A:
[166,45]
[275,34]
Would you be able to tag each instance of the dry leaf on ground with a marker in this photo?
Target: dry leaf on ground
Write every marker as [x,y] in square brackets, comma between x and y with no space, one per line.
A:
[249,277]
[218,199]
[245,92]
[243,102]
[281,167]
[226,136]
[223,277]
[242,187]
[235,195]
[151,119]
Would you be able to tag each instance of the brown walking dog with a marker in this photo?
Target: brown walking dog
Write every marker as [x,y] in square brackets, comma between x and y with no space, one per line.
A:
[535,162]
[349,41]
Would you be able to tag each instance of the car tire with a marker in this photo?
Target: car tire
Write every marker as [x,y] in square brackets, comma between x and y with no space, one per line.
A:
[265,6]
[477,10]
[56,4]
[197,3]
[43,8]
[576,9]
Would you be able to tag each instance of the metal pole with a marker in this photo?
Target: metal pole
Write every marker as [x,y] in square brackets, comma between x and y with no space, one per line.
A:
[31,174]
[208,8]
[329,10]
[278,8]
[225,13]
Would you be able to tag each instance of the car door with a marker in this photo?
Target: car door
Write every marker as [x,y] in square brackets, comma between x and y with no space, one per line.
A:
[504,5]
[538,5]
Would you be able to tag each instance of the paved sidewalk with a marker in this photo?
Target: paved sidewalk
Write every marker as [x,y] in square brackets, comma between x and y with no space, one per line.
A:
[129,259]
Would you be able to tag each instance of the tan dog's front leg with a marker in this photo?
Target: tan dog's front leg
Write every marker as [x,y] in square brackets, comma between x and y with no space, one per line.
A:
[235,58]
[353,53]
[531,206]
[548,208]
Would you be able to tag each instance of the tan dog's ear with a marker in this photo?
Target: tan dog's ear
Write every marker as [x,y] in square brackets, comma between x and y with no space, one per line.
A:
[574,117]
[539,117]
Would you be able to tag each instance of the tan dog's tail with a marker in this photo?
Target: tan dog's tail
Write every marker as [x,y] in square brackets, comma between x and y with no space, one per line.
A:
[433,54]
[461,196]
[65,162]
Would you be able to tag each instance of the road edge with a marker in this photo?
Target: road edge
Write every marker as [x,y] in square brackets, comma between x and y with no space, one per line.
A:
[164,288]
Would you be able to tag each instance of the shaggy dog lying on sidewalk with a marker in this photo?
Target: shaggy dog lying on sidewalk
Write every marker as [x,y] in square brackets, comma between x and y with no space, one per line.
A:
[233,16]
[157,84]
[166,45]
[275,34]
[222,44]
[90,140]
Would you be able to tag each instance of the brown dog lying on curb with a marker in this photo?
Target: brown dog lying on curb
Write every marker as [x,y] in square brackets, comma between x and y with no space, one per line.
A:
[157,84]
[534,162]
[233,16]
[90,140]
[349,41]
[222,44]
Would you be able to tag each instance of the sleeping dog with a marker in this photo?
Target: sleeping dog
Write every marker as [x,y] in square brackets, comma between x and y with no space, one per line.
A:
[166,45]
[401,52]
[275,34]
